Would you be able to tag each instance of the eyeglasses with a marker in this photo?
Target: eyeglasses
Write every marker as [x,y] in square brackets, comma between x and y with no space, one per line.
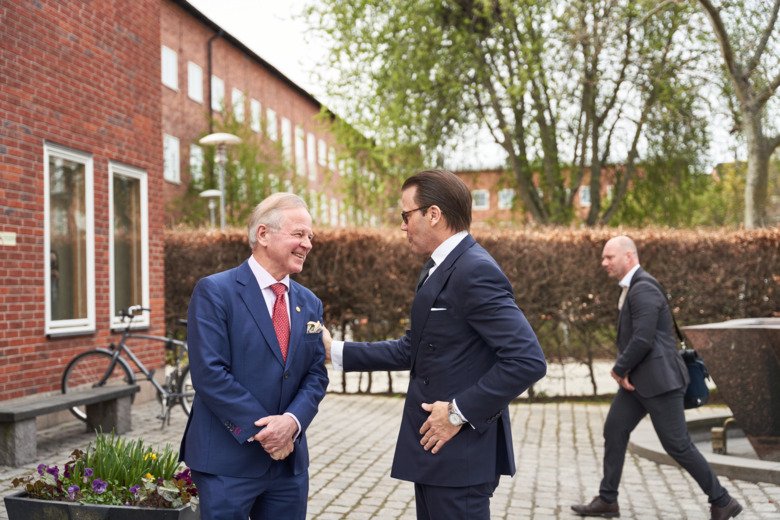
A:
[405,214]
[298,235]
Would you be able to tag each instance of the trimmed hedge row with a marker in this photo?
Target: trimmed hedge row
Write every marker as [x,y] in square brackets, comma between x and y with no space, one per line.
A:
[366,278]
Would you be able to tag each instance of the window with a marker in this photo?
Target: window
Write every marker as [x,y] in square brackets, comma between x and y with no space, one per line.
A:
[254,115]
[324,210]
[194,82]
[300,151]
[322,153]
[69,241]
[170,68]
[217,94]
[128,241]
[480,199]
[196,164]
[584,195]
[505,198]
[237,100]
[311,156]
[270,123]
[171,158]
[286,140]
[334,212]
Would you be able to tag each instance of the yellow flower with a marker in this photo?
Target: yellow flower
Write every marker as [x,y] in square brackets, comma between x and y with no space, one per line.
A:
[149,476]
[150,455]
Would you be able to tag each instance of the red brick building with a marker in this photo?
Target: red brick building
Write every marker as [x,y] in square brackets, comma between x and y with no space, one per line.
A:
[81,189]
[207,73]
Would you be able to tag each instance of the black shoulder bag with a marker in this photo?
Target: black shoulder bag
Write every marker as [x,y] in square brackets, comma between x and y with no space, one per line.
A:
[697,393]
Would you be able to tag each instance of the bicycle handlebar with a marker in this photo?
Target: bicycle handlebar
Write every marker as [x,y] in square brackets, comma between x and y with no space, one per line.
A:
[133,311]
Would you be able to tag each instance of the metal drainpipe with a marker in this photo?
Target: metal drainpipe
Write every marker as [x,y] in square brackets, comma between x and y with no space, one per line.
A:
[208,66]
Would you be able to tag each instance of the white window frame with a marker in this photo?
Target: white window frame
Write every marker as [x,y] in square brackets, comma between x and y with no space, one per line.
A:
[217,93]
[237,101]
[169,68]
[287,149]
[477,206]
[197,160]
[300,151]
[584,195]
[271,126]
[80,325]
[322,153]
[506,197]
[311,155]
[126,171]
[255,115]
[195,82]
[171,165]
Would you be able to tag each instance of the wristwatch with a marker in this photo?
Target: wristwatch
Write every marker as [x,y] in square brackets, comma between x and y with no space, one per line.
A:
[455,418]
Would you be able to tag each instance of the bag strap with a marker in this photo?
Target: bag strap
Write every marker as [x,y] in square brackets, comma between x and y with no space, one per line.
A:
[671,311]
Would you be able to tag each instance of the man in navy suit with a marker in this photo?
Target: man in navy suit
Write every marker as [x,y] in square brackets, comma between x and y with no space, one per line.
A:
[258,367]
[470,352]
[652,379]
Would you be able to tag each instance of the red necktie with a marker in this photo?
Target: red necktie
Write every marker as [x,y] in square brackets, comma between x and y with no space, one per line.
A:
[280,319]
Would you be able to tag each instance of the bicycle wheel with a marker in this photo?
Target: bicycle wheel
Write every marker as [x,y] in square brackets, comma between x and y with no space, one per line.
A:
[94,368]
[186,389]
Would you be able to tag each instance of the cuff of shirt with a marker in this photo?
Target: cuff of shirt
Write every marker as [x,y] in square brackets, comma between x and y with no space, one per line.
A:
[297,433]
[337,355]
[457,411]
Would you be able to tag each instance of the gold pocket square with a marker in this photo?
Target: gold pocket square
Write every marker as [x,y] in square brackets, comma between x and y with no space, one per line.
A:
[313,327]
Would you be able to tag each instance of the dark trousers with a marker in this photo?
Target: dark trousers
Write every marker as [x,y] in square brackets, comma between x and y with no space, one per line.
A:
[275,495]
[668,417]
[454,503]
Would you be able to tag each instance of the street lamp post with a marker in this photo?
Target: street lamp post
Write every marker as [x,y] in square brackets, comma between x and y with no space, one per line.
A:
[221,140]
[211,196]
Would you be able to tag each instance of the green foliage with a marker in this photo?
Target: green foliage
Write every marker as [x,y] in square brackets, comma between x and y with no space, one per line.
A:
[116,471]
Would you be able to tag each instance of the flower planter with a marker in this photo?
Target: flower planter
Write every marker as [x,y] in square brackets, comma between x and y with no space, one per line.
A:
[20,507]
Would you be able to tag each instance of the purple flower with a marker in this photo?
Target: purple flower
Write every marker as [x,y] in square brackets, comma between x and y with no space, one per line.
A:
[68,467]
[53,471]
[134,489]
[42,468]
[99,486]
[72,490]
[88,472]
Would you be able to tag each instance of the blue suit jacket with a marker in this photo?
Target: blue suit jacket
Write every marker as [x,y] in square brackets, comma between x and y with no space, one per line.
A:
[470,342]
[239,375]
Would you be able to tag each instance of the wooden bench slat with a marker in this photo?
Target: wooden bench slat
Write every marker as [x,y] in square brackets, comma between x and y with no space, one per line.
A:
[23,408]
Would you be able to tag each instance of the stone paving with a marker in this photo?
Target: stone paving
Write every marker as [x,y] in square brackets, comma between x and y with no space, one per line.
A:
[558,447]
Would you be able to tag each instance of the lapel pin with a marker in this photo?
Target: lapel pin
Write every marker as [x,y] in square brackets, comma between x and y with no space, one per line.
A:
[297,309]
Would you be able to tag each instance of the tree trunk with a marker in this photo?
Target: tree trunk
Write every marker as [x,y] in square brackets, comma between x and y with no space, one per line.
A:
[756,181]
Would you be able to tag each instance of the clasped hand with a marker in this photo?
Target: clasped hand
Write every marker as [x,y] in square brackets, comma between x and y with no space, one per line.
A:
[437,430]
[622,381]
[277,436]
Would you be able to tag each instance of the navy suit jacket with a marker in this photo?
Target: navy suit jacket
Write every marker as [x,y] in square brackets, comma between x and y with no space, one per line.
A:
[468,341]
[647,346]
[239,375]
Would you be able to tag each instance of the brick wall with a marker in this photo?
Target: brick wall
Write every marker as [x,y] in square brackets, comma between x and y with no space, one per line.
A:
[82,75]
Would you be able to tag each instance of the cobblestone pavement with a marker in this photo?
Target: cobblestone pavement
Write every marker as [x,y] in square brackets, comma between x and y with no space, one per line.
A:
[558,447]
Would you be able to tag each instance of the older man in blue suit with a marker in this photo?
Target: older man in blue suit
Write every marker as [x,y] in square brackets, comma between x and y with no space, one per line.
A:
[257,362]
[470,352]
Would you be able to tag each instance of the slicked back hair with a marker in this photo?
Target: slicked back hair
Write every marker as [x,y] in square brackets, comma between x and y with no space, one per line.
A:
[446,190]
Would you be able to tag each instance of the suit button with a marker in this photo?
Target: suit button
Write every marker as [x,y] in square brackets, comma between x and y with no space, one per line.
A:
[431,347]
[426,381]
[286,375]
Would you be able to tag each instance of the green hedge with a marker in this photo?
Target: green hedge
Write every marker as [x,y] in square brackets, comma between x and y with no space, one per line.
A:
[366,278]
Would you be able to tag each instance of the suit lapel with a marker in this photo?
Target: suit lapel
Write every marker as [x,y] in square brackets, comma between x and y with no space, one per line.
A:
[297,313]
[252,296]
[626,316]
[426,296]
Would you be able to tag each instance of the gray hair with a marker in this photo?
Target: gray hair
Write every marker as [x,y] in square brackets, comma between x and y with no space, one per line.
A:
[269,213]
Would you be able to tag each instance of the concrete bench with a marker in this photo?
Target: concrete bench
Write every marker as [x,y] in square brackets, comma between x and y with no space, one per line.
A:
[108,409]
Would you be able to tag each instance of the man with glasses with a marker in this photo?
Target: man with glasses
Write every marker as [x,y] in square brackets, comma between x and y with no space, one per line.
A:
[470,352]
[259,369]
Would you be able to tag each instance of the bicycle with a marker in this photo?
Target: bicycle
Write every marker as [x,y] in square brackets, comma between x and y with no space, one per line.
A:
[105,366]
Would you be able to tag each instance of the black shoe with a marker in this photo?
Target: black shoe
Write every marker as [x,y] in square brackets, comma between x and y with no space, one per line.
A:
[599,507]
[730,510]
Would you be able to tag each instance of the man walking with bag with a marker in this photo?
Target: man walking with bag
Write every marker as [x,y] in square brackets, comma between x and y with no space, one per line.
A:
[652,379]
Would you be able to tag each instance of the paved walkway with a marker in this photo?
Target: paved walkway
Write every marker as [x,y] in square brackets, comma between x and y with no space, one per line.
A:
[558,448]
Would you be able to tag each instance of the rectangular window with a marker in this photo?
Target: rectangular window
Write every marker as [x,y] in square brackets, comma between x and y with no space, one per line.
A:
[270,124]
[217,94]
[300,151]
[480,199]
[170,68]
[255,111]
[171,158]
[128,241]
[69,241]
[505,198]
[196,164]
[311,156]
[237,100]
[286,140]
[584,194]
[334,212]
[322,153]
[195,82]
